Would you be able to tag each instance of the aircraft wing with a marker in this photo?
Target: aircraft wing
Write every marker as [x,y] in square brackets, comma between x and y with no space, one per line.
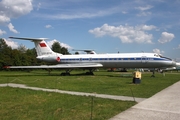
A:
[62,66]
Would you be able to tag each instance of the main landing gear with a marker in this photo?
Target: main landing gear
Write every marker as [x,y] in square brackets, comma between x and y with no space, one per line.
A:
[153,73]
[90,72]
[67,73]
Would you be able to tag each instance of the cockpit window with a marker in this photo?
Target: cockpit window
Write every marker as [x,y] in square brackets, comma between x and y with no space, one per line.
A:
[156,55]
[165,57]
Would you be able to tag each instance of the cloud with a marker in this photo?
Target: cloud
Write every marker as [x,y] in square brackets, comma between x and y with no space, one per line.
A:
[74,16]
[166,37]
[12,44]
[38,6]
[144,14]
[127,34]
[158,51]
[50,43]
[177,47]
[4,19]
[80,14]
[48,26]
[9,9]
[146,27]
[124,12]
[144,8]
[66,45]
[11,28]
[2,32]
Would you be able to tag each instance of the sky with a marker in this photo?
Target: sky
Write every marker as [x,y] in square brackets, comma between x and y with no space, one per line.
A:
[111,26]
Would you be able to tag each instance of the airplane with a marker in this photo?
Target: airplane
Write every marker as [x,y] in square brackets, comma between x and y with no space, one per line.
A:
[177,67]
[94,61]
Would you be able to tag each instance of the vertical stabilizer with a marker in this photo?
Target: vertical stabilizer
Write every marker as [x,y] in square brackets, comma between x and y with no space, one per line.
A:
[42,48]
[40,45]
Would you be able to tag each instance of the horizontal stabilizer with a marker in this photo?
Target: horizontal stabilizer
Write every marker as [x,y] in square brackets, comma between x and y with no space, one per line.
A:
[32,39]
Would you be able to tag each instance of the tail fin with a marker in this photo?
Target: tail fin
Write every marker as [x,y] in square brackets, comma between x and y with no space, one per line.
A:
[40,45]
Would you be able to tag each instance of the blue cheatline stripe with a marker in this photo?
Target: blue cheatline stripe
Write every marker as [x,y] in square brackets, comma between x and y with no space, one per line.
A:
[115,59]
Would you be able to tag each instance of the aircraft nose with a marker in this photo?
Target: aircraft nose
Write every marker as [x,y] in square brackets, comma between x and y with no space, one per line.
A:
[177,64]
[174,63]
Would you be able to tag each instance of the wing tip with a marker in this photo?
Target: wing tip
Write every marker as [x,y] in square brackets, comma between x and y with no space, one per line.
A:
[5,67]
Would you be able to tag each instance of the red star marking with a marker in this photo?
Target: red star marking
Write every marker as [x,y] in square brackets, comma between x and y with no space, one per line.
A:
[58,59]
[42,44]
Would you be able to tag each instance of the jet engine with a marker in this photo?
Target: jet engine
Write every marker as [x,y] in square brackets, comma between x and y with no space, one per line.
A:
[49,58]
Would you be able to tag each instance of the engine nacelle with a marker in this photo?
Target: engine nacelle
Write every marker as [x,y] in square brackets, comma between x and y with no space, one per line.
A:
[54,58]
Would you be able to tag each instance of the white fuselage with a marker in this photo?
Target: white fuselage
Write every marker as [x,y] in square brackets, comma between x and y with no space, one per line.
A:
[121,60]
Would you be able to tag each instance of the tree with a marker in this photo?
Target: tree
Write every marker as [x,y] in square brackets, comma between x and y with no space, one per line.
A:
[22,48]
[64,51]
[3,44]
[76,53]
[56,47]
[23,56]
[5,54]
[31,53]
[16,57]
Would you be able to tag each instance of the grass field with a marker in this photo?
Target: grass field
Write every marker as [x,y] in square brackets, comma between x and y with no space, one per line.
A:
[18,103]
[102,82]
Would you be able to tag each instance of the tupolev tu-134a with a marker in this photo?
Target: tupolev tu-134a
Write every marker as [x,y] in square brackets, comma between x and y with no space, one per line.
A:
[93,61]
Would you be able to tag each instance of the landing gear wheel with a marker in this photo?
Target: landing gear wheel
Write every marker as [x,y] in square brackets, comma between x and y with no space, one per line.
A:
[89,73]
[153,73]
[65,74]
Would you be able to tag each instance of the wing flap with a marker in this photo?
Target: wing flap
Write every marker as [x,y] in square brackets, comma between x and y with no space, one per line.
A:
[92,65]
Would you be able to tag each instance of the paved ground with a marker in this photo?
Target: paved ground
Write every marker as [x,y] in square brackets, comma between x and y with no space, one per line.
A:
[73,93]
[164,105]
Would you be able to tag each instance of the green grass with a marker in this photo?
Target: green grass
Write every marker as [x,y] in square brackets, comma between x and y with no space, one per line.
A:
[102,82]
[21,104]
[16,103]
